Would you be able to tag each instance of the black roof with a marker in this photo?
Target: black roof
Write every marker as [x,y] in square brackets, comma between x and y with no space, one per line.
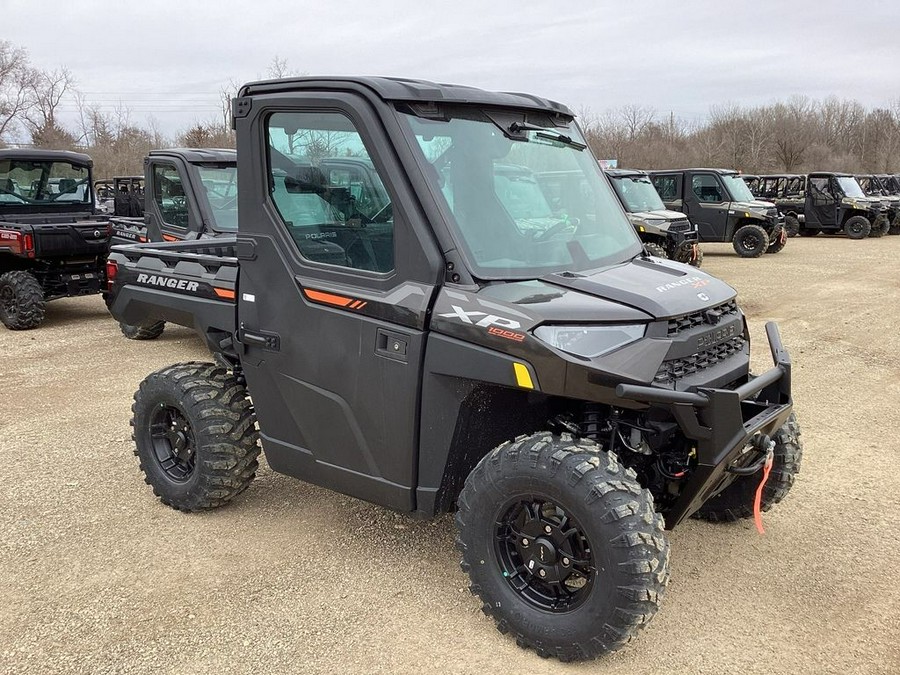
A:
[199,155]
[723,172]
[400,89]
[46,155]
[624,173]
[826,174]
[783,175]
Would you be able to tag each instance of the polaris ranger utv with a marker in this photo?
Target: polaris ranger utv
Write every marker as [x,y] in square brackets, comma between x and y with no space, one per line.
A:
[881,187]
[52,243]
[569,396]
[719,202]
[666,234]
[835,202]
[787,191]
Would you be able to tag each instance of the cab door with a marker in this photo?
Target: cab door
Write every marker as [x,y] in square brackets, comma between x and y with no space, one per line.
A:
[171,215]
[333,296]
[821,203]
[708,206]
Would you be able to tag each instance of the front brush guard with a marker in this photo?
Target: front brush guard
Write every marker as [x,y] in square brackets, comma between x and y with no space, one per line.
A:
[723,422]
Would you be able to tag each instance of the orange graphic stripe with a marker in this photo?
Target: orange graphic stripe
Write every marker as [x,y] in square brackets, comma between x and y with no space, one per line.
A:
[224,293]
[327,298]
[169,237]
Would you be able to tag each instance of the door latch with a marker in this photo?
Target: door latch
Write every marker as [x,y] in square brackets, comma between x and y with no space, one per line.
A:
[391,345]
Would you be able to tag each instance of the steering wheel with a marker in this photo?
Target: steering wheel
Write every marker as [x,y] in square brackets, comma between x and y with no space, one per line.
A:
[555,229]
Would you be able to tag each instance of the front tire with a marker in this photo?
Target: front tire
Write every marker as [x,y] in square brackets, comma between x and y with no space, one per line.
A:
[151,332]
[22,304]
[750,241]
[698,259]
[195,435]
[562,545]
[778,240]
[791,225]
[736,501]
[880,227]
[858,227]
[656,250]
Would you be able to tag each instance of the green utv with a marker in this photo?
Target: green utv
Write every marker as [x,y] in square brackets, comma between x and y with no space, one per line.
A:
[835,202]
[460,349]
[788,192]
[886,188]
[719,202]
[665,233]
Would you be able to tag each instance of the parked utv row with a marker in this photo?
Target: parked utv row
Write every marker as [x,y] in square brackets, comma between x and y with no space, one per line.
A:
[517,356]
[859,206]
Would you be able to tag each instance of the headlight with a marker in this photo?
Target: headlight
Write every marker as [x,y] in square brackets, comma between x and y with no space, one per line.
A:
[589,341]
[655,222]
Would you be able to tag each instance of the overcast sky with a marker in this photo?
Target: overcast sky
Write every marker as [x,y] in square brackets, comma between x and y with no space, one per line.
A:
[172,58]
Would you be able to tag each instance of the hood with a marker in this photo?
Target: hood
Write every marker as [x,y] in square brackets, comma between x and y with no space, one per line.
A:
[660,288]
[664,214]
[755,205]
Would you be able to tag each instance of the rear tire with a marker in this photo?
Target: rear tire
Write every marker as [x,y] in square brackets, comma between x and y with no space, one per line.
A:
[750,241]
[22,304]
[656,251]
[736,501]
[533,500]
[195,435]
[791,225]
[895,226]
[151,332]
[858,227]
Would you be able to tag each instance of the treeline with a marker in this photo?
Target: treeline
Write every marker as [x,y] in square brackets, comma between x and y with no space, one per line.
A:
[798,135]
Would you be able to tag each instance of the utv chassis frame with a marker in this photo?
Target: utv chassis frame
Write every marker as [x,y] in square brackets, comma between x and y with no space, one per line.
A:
[460,431]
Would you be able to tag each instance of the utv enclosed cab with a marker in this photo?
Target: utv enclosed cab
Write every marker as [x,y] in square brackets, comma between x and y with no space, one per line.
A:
[835,202]
[473,345]
[719,202]
[665,233]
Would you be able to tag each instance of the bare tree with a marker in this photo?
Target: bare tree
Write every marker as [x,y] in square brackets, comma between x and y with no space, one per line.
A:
[16,81]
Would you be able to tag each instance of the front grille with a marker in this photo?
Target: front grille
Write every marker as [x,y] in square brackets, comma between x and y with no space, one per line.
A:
[672,370]
[679,225]
[689,321]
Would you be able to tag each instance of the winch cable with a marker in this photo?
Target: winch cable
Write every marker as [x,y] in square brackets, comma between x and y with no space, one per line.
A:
[757,502]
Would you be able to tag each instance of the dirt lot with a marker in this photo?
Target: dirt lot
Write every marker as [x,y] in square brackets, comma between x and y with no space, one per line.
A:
[97,576]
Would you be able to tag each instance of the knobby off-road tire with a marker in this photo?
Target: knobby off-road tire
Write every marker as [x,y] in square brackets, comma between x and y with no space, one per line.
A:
[791,225]
[195,435]
[534,489]
[656,251]
[858,227]
[750,241]
[21,300]
[880,227]
[698,261]
[776,242]
[736,501]
[151,332]
[895,226]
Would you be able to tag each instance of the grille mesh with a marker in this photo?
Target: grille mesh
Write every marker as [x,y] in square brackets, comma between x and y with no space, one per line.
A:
[672,370]
[689,321]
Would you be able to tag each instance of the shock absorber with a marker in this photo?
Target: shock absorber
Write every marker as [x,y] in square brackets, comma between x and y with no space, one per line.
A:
[593,421]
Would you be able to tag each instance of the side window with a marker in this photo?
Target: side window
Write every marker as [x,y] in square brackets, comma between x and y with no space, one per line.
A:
[706,188]
[327,191]
[819,190]
[666,186]
[168,193]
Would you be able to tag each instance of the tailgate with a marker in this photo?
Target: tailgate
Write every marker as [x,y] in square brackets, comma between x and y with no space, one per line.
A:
[68,240]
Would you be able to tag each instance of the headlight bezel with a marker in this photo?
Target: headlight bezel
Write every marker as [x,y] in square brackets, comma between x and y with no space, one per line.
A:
[595,340]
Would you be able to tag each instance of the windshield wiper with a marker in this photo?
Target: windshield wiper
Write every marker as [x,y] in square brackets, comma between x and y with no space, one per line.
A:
[543,132]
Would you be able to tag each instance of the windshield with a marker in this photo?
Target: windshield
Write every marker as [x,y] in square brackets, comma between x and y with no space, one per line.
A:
[737,188]
[42,183]
[637,193]
[220,183]
[849,186]
[523,201]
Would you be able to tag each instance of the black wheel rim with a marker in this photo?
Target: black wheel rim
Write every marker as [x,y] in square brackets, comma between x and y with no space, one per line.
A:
[544,554]
[855,228]
[8,301]
[751,242]
[173,442]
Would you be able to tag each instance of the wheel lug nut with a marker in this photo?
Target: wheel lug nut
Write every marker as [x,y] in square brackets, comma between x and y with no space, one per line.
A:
[524,541]
[543,573]
[548,529]
[565,561]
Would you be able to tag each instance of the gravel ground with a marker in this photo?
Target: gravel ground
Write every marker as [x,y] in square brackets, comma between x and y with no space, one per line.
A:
[97,576]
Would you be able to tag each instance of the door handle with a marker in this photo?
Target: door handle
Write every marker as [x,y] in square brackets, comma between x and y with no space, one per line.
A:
[269,341]
[391,345]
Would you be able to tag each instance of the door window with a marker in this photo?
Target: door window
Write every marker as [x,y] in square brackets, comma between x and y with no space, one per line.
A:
[667,187]
[331,200]
[820,191]
[168,193]
[706,188]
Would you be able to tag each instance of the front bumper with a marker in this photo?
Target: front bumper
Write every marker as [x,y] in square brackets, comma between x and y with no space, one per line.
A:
[722,422]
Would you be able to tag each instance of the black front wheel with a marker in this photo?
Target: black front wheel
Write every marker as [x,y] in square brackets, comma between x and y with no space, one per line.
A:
[21,300]
[858,227]
[750,241]
[777,241]
[562,545]
[791,225]
[655,250]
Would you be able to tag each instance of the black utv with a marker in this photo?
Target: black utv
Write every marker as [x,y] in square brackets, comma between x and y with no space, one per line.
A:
[835,202]
[52,242]
[788,192]
[567,395]
[665,233]
[719,202]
